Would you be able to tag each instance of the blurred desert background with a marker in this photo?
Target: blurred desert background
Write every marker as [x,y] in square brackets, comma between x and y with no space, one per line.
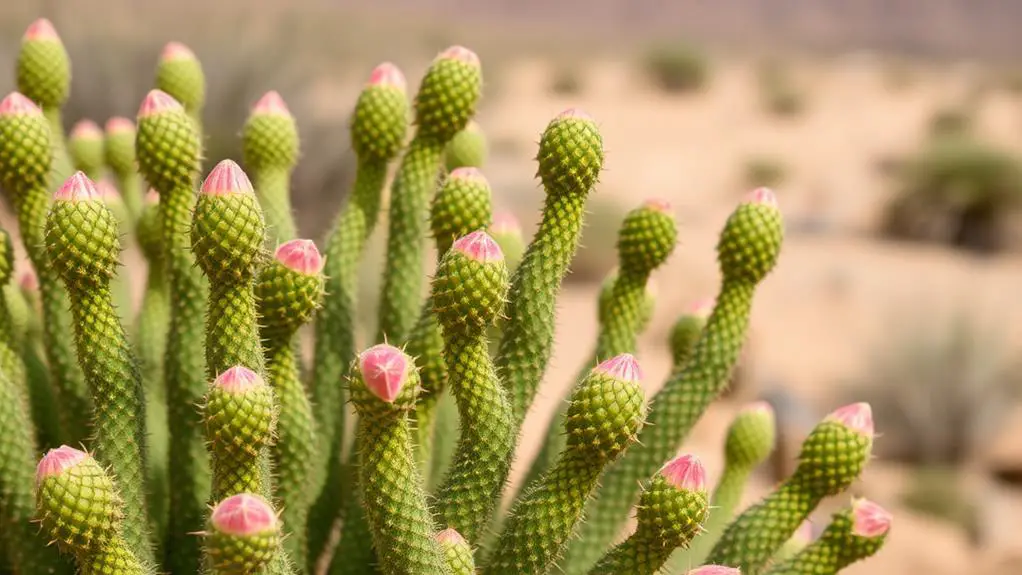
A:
[891,131]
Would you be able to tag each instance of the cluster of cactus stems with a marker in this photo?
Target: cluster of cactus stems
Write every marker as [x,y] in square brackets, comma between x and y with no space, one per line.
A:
[206,444]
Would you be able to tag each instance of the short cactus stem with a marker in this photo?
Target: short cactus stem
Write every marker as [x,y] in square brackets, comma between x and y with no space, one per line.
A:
[467,148]
[85,144]
[119,156]
[243,536]
[271,149]
[179,74]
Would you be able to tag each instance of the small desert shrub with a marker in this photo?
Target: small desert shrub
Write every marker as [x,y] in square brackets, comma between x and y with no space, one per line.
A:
[763,171]
[938,492]
[959,191]
[951,121]
[677,68]
[566,80]
[779,91]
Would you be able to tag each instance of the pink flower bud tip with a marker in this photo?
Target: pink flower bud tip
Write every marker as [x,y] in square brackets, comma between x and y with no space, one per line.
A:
[271,104]
[450,536]
[119,125]
[574,114]
[479,246]
[152,196]
[505,222]
[227,178]
[384,370]
[238,379]
[467,174]
[41,29]
[78,188]
[29,280]
[108,191]
[57,461]
[869,519]
[460,54]
[244,514]
[703,308]
[658,205]
[86,130]
[301,256]
[473,126]
[857,416]
[759,408]
[17,104]
[623,367]
[388,75]
[763,197]
[176,51]
[715,570]
[685,472]
[652,288]
[158,102]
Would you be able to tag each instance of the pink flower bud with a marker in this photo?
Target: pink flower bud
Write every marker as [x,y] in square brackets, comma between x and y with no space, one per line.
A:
[622,367]
[271,104]
[685,472]
[107,191]
[658,205]
[759,407]
[41,29]
[227,178]
[857,416]
[478,246]
[574,114]
[762,196]
[57,461]
[301,256]
[152,196]
[384,370]
[505,222]
[467,174]
[460,54]
[702,308]
[78,188]
[388,75]
[158,102]
[238,379]
[244,514]
[715,570]
[176,51]
[869,519]
[29,281]
[17,104]
[450,536]
[86,130]
[119,124]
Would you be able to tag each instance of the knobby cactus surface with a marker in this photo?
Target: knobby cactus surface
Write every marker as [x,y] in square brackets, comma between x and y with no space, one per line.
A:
[202,445]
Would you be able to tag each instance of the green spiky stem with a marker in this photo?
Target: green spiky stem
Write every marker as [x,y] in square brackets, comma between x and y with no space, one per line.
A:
[355,554]
[24,304]
[832,457]
[747,250]
[570,160]
[605,414]
[62,165]
[25,141]
[83,245]
[838,547]
[168,156]
[81,509]
[457,552]
[273,186]
[383,389]
[85,146]
[378,128]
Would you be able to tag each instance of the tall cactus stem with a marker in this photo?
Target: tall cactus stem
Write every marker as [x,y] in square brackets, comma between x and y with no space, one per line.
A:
[270,149]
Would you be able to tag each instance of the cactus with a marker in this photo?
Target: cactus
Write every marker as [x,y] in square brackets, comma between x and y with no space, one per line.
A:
[119,157]
[270,147]
[179,74]
[467,149]
[457,551]
[85,146]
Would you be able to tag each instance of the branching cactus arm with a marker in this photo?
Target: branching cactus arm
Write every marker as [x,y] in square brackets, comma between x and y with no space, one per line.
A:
[270,147]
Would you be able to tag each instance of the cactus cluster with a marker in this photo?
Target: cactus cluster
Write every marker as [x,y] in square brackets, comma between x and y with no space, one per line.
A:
[209,442]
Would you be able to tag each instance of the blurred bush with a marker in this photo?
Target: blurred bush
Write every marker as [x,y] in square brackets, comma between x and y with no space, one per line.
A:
[677,68]
[779,91]
[938,492]
[763,171]
[951,121]
[566,80]
[958,191]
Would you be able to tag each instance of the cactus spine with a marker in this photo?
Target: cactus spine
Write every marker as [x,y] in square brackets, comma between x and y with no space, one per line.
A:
[270,147]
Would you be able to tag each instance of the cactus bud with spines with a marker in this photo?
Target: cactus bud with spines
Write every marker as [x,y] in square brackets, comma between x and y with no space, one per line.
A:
[168,148]
[80,509]
[25,160]
[289,290]
[671,511]
[384,384]
[179,74]
[378,128]
[44,76]
[468,293]
[747,251]
[606,413]
[270,147]
[457,551]
[832,457]
[855,533]
[243,536]
[82,241]
[444,104]
[85,145]
[467,148]
[714,570]
[119,156]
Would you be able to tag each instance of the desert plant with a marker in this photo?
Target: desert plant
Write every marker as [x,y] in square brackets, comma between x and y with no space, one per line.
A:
[779,91]
[677,68]
[764,171]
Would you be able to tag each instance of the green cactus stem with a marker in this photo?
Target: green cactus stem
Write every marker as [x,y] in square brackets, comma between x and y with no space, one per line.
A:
[749,441]
[605,415]
[270,152]
[82,241]
[378,128]
[795,544]
[243,536]
[25,160]
[80,508]
[179,74]
[461,206]
[383,390]
[507,232]
[570,159]
[120,283]
[288,291]
[468,292]
[24,299]
[457,551]
[168,150]
[44,76]
[467,149]
[686,331]
[747,251]
[672,510]
[855,533]
[11,363]
[85,146]
[119,156]
[832,457]
[444,104]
